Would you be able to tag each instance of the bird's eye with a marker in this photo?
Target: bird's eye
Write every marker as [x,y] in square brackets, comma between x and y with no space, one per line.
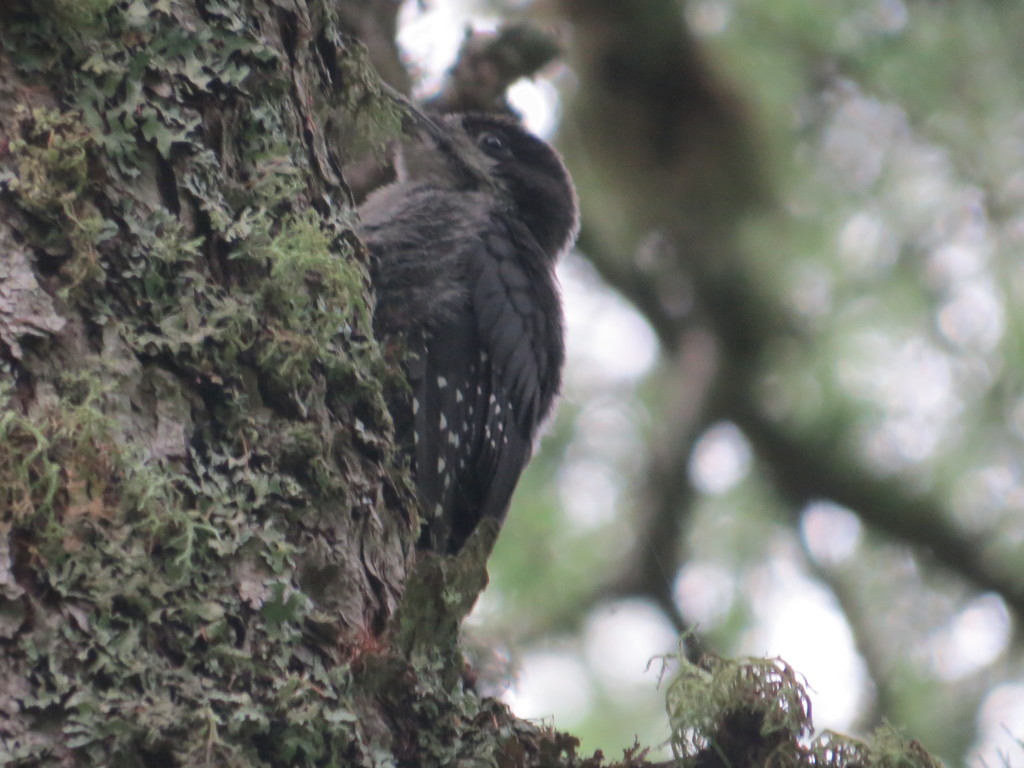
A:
[493,144]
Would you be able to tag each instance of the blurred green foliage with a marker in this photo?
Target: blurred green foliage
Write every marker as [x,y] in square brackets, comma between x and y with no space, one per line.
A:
[892,131]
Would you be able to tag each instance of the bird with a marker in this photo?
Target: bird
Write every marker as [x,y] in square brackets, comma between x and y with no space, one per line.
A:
[463,247]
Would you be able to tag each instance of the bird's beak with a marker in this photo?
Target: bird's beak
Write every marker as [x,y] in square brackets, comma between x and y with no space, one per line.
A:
[416,119]
[428,126]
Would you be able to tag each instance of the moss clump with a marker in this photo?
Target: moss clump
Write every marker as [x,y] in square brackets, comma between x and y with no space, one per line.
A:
[756,712]
[56,463]
[316,295]
[64,477]
[29,478]
[887,748]
[49,180]
[51,158]
[746,711]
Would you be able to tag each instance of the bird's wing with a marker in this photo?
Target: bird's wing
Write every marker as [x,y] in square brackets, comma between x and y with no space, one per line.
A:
[519,321]
[487,379]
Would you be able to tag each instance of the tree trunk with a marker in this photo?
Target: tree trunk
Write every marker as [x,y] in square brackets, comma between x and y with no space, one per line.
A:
[206,527]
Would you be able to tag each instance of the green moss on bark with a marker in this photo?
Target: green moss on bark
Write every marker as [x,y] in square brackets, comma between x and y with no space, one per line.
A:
[205,518]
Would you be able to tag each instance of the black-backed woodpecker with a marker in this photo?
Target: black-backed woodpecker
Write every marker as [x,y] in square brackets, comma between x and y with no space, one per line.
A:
[463,247]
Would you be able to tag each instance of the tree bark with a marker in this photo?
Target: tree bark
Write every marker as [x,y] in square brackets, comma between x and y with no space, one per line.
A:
[206,527]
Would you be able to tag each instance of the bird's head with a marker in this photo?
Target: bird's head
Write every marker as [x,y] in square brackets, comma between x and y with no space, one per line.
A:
[479,151]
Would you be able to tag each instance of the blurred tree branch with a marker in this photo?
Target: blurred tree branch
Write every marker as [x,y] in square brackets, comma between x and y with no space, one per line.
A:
[810,468]
[489,62]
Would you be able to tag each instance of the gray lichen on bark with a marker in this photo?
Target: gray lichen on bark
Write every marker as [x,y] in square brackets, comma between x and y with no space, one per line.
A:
[205,523]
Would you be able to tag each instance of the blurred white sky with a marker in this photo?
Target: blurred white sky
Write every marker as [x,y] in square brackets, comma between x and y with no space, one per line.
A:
[611,345]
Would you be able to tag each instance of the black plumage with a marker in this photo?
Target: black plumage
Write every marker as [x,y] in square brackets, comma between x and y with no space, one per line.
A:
[464,246]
